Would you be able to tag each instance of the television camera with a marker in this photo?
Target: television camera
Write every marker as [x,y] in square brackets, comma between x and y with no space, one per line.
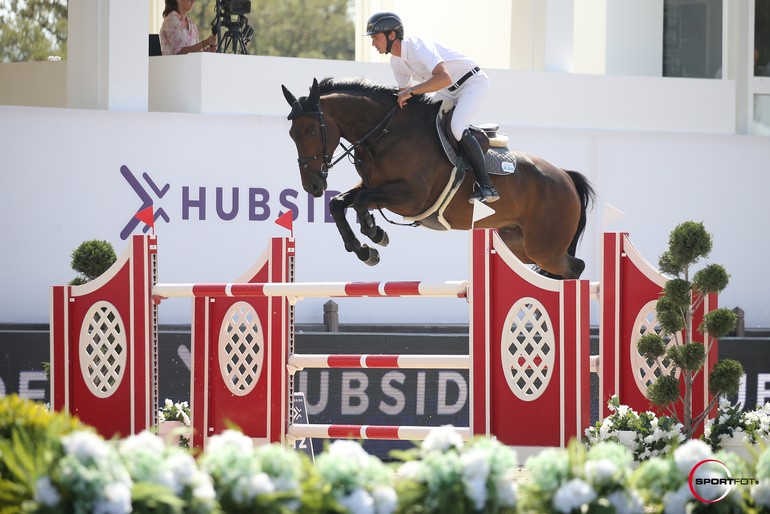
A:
[231,27]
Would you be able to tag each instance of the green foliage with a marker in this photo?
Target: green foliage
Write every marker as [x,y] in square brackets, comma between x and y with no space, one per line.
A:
[711,279]
[679,292]
[668,266]
[718,323]
[32,30]
[651,346]
[687,243]
[689,356]
[29,444]
[670,316]
[725,378]
[155,498]
[319,29]
[664,391]
[91,259]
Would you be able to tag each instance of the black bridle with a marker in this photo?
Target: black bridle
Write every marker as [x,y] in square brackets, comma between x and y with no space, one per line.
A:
[375,133]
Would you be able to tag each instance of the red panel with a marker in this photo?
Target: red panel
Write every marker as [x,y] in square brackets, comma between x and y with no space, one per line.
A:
[608,338]
[479,344]
[507,408]
[562,405]
[59,341]
[260,413]
[634,290]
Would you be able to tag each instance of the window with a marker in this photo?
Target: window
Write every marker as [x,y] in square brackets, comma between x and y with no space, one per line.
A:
[762,38]
[692,38]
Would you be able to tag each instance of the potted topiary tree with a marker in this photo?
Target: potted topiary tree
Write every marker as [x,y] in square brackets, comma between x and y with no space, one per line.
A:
[683,295]
[91,259]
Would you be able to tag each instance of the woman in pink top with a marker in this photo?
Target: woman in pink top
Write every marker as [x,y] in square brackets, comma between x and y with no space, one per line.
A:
[178,33]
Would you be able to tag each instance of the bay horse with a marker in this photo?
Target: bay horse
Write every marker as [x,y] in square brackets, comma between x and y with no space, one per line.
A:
[541,213]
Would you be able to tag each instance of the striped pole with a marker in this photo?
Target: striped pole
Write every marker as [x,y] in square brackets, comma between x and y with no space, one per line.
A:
[298,362]
[405,433]
[455,289]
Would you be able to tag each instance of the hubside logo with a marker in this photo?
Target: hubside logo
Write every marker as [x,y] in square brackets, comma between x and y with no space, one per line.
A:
[253,203]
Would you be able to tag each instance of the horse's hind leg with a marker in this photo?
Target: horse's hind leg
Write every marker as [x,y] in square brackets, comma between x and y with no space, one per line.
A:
[337,206]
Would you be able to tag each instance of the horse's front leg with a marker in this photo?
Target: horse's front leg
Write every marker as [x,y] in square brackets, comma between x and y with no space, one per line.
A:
[337,207]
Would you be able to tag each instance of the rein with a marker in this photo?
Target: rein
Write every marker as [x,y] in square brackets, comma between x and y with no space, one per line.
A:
[379,130]
[375,133]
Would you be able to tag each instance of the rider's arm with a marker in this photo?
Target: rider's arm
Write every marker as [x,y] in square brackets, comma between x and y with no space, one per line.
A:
[439,79]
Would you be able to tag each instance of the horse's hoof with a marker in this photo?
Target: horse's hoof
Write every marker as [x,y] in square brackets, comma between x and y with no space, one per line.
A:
[381,237]
[374,257]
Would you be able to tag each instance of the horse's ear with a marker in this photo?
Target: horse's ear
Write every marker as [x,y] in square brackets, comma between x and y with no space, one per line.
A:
[315,96]
[288,95]
[296,108]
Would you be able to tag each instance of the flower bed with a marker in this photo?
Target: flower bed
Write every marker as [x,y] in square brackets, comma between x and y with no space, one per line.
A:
[66,468]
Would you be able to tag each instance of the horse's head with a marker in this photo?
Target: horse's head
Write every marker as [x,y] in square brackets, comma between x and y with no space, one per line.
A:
[316,138]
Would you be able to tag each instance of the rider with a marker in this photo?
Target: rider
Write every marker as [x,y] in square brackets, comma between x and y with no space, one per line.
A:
[450,74]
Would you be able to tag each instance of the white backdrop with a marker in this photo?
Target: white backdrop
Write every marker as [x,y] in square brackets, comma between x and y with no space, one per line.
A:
[61,184]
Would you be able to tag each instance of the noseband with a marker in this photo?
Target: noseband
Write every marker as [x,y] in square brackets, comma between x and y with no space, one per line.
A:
[379,130]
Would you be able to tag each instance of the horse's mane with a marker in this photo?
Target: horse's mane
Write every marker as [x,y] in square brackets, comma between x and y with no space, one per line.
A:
[364,86]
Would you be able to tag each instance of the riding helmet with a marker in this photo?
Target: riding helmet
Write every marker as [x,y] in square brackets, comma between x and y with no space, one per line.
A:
[385,22]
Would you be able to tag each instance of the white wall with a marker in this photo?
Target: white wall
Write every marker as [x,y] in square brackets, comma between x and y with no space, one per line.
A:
[220,84]
[64,186]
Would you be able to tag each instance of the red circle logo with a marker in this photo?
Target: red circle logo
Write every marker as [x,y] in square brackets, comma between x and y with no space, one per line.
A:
[705,486]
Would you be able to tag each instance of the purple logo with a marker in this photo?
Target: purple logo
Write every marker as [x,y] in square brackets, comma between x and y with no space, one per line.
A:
[146,199]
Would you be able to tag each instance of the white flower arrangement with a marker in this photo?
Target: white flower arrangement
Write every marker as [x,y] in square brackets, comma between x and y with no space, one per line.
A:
[174,412]
[253,479]
[179,412]
[148,460]
[752,427]
[580,480]
[449,476]
[653,435]
[90,477]
[359,482]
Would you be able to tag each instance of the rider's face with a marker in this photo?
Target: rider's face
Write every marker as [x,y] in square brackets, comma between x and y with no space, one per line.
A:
[380,42]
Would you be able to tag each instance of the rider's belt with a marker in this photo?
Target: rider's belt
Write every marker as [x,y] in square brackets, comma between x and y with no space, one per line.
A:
[456,85]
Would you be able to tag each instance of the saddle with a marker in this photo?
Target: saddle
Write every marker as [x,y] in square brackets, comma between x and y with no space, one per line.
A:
[499,159]
[487,134]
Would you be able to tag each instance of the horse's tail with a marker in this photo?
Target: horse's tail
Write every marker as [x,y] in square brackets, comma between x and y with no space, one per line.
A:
[587,198]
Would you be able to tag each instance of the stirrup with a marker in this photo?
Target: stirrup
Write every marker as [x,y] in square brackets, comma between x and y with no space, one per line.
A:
[484,194]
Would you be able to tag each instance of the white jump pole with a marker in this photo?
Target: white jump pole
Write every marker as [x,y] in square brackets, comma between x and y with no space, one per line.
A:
[453,289]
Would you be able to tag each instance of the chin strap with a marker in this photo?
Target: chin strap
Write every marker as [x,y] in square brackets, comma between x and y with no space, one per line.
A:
[389,46]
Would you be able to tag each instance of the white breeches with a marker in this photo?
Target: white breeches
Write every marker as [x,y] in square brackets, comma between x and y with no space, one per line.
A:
[468,100]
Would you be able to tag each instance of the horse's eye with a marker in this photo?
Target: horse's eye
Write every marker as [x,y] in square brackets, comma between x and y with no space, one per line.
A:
[311,131]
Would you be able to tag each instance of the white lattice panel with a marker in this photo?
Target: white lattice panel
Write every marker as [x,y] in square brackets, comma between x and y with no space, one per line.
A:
[646,371]
[528,349]
[241,349]
[102,349]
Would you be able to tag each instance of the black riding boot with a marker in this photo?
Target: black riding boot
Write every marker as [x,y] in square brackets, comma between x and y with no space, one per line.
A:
[484,191]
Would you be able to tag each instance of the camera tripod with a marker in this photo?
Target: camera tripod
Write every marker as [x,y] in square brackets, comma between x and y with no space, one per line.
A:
[231,14]
[232,40]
